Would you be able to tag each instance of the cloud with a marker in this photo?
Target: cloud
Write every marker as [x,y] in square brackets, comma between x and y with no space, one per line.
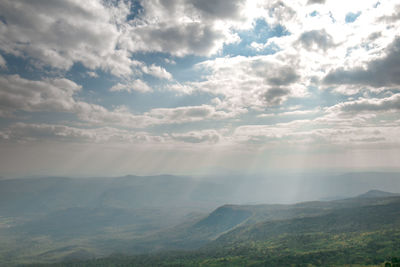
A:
[395,16]
[92,74]
[316,39]
[204,136]
[61,33]
[219,9]
[305,112]
[157,71]
[206,11]
[183,28]
[47,95]
[105,34]
[261,134]
[279,12]
[26,132]
[377,73]
[316,134]
[243,83]
[275,96]
[316,2]
[282,75]
[188,114]
[368,105]
[135,85]
[99,116]
[179,40]
[58,95]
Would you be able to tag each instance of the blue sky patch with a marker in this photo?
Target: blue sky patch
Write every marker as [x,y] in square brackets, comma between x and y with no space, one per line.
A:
[351,17]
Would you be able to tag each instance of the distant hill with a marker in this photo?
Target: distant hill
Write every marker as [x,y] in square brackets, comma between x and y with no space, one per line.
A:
[227,218]
[222,219]
[377,194]
[354,219]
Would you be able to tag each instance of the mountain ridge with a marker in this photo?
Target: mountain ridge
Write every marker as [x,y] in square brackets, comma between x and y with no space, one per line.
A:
[374,193]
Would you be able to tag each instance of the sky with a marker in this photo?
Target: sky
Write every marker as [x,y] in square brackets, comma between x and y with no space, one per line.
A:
[117,87]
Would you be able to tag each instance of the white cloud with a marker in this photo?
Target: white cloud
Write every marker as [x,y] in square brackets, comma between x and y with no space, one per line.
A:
[60,33]
[188,114]
[179,27]
[321,40]
[203,136]
[367,105]
[57,95]
[92,74]
[170,61]
[98,34]
[157,71]
[26,132]
[135,85]
[249,82]
[292,113]
[47,95]
[318,134]
[97,115]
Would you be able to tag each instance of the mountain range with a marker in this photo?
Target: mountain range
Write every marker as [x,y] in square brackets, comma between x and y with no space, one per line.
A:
[187,220]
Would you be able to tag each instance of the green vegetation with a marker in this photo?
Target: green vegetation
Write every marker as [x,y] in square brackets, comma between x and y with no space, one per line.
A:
[166,221]
[356,235]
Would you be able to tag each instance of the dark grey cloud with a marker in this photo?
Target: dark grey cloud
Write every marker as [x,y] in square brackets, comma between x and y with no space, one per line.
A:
[188,38]
[276,74]
[209,136]
[222,9]
[391,18]
[284,76]
[371,105]
[160,26]
[310,2]
[319,38]
[279,10]
[275,96]
[381,72]
[206,10]
[171,6]
[374,36]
